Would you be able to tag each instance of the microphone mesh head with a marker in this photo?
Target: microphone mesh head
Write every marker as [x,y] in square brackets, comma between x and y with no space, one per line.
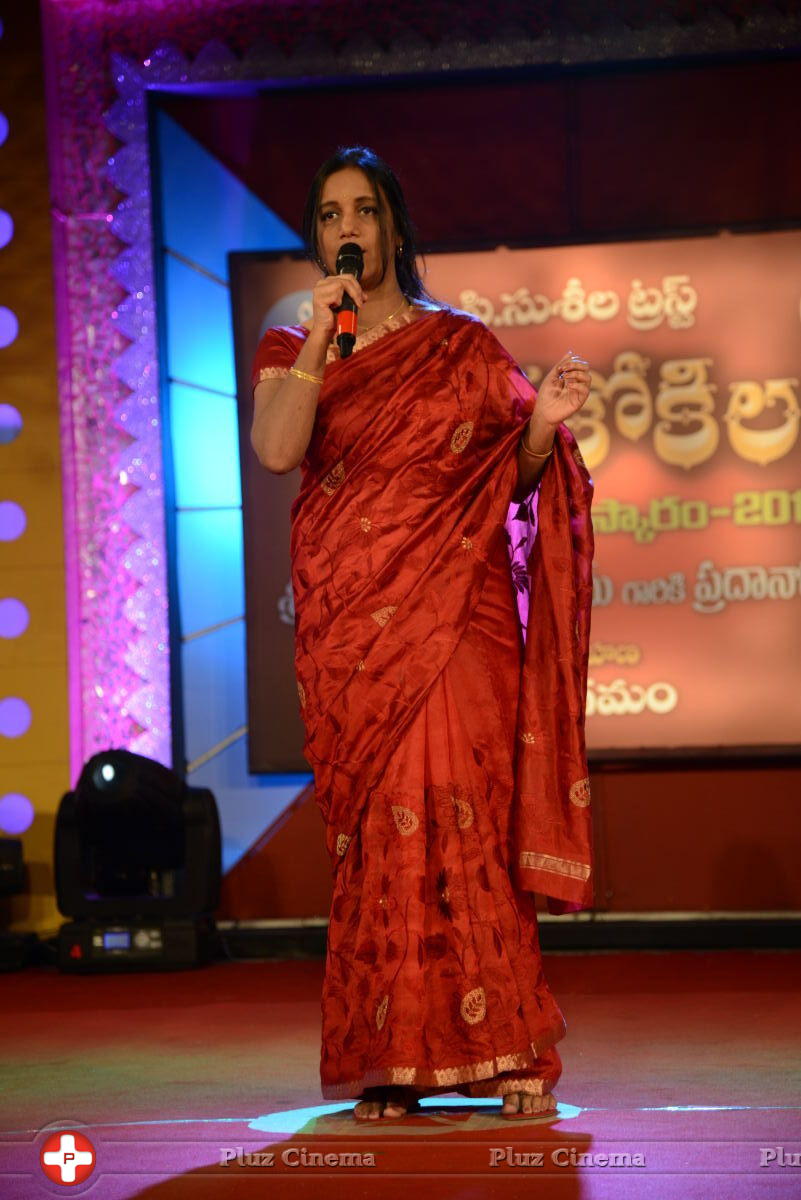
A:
[350,260]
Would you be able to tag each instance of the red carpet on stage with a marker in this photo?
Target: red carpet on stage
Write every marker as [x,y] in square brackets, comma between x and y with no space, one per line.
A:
[681,1079]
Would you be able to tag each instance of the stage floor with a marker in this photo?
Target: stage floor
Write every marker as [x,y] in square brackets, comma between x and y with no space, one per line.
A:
[682,1068]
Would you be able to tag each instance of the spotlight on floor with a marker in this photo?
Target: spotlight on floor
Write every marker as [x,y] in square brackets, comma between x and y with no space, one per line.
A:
[137,868]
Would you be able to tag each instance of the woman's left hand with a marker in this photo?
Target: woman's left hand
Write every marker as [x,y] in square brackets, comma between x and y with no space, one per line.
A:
[564,389]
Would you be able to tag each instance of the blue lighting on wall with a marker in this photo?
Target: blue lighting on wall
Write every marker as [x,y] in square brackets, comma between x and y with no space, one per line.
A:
[205,448]
[204,212]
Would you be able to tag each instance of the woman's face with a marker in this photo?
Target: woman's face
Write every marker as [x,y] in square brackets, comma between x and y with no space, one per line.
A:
[348,212]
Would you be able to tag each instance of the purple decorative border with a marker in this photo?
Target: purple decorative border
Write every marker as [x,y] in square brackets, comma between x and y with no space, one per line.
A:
[117,600]
[140,465]
[104,692]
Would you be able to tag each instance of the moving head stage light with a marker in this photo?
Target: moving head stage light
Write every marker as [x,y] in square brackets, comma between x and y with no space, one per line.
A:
[16,949]
[137,867]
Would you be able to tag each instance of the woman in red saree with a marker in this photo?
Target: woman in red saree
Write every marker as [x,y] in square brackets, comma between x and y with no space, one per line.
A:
[442,583]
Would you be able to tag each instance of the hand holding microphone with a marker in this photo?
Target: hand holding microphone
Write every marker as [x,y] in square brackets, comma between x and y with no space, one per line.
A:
[350,261]
[336,300]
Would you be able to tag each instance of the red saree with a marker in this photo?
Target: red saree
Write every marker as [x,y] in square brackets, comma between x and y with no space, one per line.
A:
[447,742]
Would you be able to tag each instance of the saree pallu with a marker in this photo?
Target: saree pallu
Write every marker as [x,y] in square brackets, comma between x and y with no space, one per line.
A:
[447,742]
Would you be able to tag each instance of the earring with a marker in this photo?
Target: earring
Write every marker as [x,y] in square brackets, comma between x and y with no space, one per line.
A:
[399,249]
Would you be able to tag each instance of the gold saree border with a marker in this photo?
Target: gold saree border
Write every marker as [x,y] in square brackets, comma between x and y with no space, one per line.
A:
[480,1075]
[558,866]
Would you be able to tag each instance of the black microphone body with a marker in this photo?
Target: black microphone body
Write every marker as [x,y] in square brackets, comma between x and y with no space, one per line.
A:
[350,261]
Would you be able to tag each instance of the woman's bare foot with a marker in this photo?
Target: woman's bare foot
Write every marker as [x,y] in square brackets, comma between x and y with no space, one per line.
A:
[384,1102]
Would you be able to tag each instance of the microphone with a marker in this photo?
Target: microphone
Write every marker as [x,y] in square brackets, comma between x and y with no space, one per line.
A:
[350,261]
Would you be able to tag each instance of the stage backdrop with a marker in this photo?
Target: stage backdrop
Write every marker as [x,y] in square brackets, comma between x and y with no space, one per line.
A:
[691,436]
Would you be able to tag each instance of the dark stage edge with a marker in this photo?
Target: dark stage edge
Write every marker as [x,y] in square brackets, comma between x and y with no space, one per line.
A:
[762,934]
[245,942]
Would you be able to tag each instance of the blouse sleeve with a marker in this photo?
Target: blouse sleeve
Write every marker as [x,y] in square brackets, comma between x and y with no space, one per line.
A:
[275,354]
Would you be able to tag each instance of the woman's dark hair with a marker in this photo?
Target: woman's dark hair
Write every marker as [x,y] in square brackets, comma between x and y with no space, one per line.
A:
[386,184]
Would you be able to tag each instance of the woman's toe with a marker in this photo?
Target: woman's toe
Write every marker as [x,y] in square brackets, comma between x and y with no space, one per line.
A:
[511,1102]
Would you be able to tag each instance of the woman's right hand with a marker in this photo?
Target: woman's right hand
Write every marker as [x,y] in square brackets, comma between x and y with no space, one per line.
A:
[327,296]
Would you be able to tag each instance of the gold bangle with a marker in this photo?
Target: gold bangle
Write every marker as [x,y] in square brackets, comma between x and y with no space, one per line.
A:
[305,375]
[533,453]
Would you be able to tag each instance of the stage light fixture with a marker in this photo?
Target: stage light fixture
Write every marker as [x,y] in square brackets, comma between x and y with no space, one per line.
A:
[17,950]
[137,867]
